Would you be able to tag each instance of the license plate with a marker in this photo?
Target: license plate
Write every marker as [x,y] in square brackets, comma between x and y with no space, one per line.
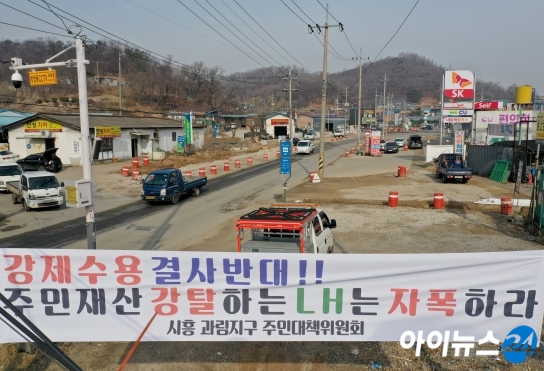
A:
[149,197]
[458,177]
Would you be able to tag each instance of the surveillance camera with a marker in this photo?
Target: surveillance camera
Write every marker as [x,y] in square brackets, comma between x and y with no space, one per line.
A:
[17,80]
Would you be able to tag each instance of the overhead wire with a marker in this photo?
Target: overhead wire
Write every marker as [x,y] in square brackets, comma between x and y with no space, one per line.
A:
[182,66]
[33,29]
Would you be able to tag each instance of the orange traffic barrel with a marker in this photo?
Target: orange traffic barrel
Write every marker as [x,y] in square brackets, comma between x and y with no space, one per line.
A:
[226,166]
[347,137]
[402,171]
[277,153]
[146,160]
[406,147]
[265,156]
[506,206]
[332,139]
[188,173]
[438,201]
[393,200]
[213,169]
[346,154]
[135,163]
[237,163]
[202,171]
[352,149]
[125,171]
[250,161]
[135,174]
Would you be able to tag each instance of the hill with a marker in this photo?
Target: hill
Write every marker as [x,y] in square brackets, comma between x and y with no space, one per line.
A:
[154,85]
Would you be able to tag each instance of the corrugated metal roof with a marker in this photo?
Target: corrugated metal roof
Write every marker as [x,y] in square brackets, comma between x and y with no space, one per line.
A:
[123,122]
[8,117]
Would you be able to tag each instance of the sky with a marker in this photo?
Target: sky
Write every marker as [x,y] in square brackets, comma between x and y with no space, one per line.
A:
[498,40]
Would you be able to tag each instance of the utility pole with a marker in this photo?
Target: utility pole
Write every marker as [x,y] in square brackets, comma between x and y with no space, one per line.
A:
[384,114]
[359,103]
[119,83]
[324,88]
[290,78]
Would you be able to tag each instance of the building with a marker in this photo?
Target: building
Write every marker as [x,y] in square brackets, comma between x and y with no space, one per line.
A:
[277,125]
[119,137]
[8,117]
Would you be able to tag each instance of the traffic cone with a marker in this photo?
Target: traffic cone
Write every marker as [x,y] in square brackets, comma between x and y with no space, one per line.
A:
[530,179]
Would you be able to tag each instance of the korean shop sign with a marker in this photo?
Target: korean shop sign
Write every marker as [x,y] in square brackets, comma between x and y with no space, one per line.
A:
[99,295]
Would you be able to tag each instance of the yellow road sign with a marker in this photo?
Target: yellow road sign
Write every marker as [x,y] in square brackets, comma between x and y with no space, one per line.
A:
[38,78]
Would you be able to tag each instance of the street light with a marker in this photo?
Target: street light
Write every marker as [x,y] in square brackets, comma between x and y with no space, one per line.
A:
[79,62]
[384,113]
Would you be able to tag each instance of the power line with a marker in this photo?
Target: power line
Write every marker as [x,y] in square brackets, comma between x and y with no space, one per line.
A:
[178,24]
[294,13]
[57,16]
[30,15]
[327,10]
[398,29]
[33,29]
[162,58]
[303,12]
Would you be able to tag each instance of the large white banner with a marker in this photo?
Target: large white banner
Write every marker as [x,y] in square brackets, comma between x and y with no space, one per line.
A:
[85,295]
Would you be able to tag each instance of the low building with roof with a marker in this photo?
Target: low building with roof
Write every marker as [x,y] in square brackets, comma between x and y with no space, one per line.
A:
[8,117]
[119,137]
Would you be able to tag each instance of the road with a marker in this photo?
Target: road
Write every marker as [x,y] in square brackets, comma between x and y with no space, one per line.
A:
[142,226]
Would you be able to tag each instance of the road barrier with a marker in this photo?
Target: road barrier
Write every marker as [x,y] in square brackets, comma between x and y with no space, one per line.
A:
[249,161]
[352,149]
[393,200]
[506,206]
[277,153]
[402,171]
[146,160]
[346,154]
[226,166]
[135,163]
[213,169]
[135,174]
[125,171]
[312,174]
[237,164]
[188,173]
[265,156]
[202,172]
[406,147]
[438,201]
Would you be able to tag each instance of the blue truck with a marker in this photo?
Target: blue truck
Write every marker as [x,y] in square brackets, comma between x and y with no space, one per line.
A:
[168,185]
[452,167]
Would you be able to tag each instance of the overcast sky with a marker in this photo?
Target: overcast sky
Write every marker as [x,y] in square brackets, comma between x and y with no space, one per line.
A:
[498,40]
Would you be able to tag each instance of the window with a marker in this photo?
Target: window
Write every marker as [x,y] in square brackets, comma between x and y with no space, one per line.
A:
[174,137]
[317,226]
[324,219]
[23,180]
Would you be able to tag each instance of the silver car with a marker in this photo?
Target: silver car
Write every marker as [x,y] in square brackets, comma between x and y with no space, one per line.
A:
[305,146]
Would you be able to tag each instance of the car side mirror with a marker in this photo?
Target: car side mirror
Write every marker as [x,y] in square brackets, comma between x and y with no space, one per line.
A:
[332,223]
[24,188]
[62,184]
[171,181]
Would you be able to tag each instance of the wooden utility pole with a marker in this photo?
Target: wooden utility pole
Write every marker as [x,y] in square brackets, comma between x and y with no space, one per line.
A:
[290,78]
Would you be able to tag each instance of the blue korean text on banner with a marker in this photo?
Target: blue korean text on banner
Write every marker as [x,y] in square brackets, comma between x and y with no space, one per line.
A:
[285,157]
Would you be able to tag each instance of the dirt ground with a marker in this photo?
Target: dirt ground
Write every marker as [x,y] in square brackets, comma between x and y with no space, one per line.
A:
[365,225]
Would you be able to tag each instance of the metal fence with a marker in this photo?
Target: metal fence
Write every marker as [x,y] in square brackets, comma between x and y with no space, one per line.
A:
[482,159]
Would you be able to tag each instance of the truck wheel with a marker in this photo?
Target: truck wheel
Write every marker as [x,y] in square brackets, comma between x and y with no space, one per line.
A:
[14,199]
[196,192]
[175,198]
[25,205]
[41,168]
[464,181]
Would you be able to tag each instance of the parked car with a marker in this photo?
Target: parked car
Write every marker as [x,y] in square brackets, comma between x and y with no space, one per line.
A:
[391,147]
[305,146]
[338,133]
[8,156]
[400,142]
[47,160]
[9,172]
[310,135]
[382,145]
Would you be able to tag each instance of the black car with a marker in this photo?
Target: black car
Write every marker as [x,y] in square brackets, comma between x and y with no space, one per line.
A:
[47,160]
[391,147]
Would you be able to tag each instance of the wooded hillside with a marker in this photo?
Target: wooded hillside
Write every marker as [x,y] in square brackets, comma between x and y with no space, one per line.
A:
[157,84]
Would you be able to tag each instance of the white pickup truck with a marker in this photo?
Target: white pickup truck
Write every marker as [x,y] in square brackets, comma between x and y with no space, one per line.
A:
[37,189]
[286,228]
[338,132]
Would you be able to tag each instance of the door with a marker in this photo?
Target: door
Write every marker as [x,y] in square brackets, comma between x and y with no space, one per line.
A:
[134,146]
[319,236]
[32,162]
[327,232]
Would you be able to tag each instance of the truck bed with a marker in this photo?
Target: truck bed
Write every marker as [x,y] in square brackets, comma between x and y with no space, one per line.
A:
[14,187]
[193,182]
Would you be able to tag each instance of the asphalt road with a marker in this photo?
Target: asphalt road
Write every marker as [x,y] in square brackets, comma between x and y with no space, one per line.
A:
[142,226]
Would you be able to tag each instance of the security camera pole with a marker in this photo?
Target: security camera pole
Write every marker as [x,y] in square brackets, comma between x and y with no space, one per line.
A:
[79,62]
